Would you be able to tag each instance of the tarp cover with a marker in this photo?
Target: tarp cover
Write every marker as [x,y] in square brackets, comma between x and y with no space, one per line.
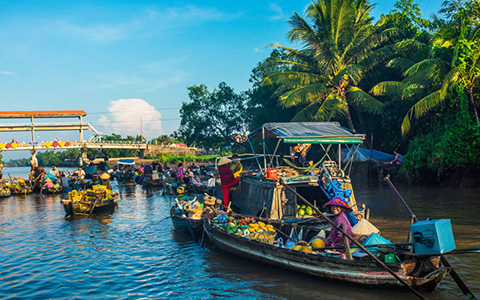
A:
[363,154]
[126,162]
[308,132]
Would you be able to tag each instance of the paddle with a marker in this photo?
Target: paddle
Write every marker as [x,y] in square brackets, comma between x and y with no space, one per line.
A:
[461,284]
[339,228]
[94,204]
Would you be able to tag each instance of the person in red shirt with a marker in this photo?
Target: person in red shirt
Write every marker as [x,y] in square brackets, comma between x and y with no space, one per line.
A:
[226,178]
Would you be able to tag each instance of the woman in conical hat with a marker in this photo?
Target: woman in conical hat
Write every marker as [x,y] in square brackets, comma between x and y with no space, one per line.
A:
[226,178]
[338,207]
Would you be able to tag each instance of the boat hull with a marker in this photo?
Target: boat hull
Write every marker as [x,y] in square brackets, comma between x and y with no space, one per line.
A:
[84,207]
[363,273]
[185,225]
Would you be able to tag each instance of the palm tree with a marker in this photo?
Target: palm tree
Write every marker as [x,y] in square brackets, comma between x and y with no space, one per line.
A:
[451,65]
[339,47]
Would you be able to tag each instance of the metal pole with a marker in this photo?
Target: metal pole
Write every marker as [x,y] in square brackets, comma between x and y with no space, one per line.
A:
[264,154]
[460,283]
[256,158]
[340,156]
[339,228]
[274,152]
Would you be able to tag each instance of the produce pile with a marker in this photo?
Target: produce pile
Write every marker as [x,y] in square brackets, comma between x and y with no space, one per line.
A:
[90,194]
[247,228]
[304,211]
[256,230]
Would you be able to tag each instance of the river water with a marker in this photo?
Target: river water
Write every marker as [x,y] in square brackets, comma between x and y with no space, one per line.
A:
[134,253]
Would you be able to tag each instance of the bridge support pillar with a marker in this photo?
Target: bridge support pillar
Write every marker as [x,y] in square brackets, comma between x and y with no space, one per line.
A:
[34,161]
[83,156]
[142,153]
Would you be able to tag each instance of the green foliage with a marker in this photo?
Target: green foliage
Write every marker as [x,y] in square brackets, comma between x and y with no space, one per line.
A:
[117,152]
[175,159]
[448,151]
[212,119]
[49,158]
[340,45]
[263,103]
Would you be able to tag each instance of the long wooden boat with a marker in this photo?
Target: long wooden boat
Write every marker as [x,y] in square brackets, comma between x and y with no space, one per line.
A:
[84,207]
[185,225]
[5,192]
[54,190]
[423,274]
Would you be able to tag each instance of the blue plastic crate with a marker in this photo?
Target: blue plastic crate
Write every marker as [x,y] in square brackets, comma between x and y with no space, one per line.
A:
[432,237]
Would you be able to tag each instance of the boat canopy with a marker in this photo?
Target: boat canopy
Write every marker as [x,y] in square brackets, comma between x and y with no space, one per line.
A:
[309,132]
[126,162]
[363,154]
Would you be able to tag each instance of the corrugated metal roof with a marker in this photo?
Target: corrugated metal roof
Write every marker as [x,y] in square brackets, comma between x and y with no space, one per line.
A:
[308,132]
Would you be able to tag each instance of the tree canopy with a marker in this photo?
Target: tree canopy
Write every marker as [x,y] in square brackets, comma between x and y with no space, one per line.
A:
[213,118]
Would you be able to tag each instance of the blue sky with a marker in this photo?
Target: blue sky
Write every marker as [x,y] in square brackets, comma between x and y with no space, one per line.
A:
[128,63]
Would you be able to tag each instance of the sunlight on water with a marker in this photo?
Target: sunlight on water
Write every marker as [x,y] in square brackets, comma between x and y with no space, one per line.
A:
[133,253]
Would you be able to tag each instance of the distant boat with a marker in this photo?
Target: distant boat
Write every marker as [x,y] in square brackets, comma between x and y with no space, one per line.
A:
[96,200]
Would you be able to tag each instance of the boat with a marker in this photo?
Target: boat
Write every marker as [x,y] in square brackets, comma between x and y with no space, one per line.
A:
[5,192]
[421,273]
[20,186]
[262,191]
[99,199]
[183,224]
[187,213]
[56,189]
[154,180]
[125,172]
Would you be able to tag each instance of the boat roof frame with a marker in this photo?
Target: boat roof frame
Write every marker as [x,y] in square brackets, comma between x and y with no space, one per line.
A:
[323,133]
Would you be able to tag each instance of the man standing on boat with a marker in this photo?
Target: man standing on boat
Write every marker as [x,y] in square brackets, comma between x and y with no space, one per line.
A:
[226,178]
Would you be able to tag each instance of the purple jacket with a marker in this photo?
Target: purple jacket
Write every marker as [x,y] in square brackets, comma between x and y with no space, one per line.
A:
[335,238]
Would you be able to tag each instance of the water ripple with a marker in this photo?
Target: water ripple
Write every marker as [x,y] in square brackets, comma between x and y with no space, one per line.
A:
[132,254]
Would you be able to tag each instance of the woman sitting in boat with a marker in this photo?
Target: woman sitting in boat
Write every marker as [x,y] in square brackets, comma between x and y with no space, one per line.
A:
[48,184]
[338,207]
[105,180]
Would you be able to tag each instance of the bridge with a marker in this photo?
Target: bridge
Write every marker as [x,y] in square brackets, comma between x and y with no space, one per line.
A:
[93,143]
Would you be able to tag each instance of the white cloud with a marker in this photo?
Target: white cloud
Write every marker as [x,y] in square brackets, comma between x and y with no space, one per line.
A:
[131,117]
[277,10]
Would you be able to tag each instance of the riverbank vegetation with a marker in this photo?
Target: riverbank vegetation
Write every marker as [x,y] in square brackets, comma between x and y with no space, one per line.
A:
[408,83]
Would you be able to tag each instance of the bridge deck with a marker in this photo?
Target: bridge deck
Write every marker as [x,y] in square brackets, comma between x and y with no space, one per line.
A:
[78,145]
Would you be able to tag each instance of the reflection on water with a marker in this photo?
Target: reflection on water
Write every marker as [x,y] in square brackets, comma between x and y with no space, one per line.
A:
[133,252]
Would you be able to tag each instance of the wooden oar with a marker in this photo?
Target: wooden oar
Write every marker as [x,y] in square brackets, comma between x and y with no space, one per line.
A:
[94,204]
[461,284]
[339,228]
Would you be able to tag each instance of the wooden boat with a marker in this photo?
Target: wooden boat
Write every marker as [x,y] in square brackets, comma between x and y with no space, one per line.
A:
[19,186]
[97,200]
[5,192]
[184,225]
[21,191]
[423,274]
[54,190]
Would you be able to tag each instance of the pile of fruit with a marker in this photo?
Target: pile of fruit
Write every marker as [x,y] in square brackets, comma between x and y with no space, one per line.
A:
[90,194]
[247,227]
[303,210]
